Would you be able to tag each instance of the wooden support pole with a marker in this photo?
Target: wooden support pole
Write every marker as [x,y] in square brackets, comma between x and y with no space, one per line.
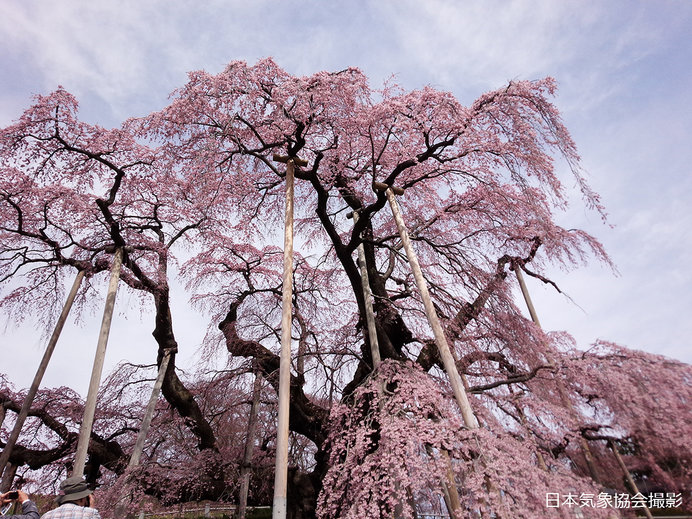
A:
[452,498]
[367,297]
[445,354]
[90,405]
[450,494]
[29,399]
[296,161]
[149,413]
[123,503]
[527,298]
[245,469]
[281,466]
[8,476]
[628,476]
[566,402]
[375,348]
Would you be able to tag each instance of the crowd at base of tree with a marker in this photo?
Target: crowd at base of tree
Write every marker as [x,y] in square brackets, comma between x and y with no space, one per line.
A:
[192,192]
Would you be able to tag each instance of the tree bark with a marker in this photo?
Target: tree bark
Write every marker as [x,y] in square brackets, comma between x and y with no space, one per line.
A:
[8,477]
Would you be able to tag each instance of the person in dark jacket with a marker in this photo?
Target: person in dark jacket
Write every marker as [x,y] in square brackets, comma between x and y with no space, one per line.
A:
[29,510]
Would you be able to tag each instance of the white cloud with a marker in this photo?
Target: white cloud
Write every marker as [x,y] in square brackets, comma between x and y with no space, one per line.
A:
[625,93]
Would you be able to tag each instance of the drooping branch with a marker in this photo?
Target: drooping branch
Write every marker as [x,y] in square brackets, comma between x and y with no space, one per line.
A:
[173,388]
[108,451]
[513,379]
[470,311]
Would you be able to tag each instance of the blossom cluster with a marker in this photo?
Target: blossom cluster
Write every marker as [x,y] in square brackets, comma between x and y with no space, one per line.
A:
[618,500]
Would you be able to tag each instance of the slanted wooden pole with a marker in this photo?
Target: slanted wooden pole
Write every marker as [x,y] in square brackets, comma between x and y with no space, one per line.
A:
[566,402]
[367,296]
[451,494]
[29,399]
[151,407]
[527,298]
[445,354]
[281,466]
[245,469]
[628,476]
[90,405]
[8,476]
[124,502]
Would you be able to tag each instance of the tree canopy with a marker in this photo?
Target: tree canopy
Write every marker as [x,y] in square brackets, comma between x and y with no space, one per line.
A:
[191,191]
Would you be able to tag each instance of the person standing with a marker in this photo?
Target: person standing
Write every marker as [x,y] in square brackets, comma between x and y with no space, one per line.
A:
[75,502]
[29,510]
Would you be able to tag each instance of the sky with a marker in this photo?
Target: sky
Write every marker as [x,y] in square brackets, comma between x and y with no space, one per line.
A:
[625,93]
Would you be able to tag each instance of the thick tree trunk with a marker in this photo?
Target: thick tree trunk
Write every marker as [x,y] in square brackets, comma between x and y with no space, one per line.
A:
[174,391]
[306,417]
[182,400]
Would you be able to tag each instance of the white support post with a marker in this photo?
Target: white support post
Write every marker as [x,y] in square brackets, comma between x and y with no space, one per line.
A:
[29,399]
[445,354]
[121,507]
[90,406]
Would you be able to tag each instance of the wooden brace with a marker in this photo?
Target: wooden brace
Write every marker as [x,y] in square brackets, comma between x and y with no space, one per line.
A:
[380,186]
[284,158]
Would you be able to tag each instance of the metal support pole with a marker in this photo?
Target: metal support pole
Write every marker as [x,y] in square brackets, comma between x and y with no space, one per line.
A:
[29,399]
[367,297]
[90,406]
[281,466]
[445,354]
